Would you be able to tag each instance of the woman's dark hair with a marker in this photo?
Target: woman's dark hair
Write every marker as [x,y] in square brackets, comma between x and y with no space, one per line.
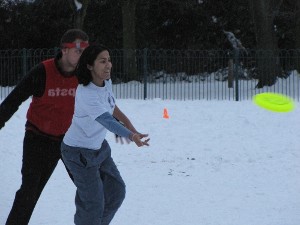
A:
[88,57]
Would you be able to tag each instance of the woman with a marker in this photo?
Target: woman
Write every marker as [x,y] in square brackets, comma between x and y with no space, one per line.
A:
[100,188]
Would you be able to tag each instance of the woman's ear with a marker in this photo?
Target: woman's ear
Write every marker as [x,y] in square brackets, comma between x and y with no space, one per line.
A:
[89,67]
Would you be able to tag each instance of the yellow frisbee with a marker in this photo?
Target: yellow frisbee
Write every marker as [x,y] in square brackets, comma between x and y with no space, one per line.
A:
[274,102]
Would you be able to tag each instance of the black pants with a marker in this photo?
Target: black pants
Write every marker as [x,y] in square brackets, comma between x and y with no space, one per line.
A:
[40,157]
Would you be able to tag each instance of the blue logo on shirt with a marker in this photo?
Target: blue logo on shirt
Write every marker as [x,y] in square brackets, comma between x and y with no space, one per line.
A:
[111,101]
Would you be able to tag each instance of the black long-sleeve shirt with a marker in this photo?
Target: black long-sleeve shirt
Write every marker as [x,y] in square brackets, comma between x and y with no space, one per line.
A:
[32,84]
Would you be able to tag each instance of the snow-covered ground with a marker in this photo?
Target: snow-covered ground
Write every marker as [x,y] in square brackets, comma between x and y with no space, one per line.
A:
[211,163]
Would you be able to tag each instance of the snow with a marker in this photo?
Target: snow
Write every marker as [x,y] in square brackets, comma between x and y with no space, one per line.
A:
[211,163]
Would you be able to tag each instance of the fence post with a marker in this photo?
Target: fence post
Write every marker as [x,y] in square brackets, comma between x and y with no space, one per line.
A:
[24,61]
[236,72]
[145,73]
[230,73]
[56,51]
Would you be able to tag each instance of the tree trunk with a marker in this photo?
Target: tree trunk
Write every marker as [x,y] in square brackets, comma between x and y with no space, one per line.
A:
[129,40]
[297,35]
[268,67]
[79,14]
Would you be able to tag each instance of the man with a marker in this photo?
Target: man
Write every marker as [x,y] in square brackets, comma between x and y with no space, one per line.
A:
[52,86]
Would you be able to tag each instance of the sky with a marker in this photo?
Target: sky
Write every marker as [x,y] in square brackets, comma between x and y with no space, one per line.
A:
[211,163]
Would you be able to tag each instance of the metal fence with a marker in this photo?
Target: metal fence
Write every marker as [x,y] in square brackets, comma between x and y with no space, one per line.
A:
[172,74]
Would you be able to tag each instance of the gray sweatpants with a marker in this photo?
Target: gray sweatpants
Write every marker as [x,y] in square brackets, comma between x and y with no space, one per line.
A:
[100,187]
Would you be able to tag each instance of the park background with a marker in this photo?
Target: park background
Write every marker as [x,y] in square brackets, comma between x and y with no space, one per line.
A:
[215,161]
[267,32]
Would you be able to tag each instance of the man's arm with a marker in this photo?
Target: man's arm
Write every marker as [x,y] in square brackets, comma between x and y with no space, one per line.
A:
[33,84]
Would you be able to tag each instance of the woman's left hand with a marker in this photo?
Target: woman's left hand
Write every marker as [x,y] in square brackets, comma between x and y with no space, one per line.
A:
[138,139]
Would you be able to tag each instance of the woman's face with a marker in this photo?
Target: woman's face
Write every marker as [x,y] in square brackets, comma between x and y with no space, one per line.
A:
[101,68]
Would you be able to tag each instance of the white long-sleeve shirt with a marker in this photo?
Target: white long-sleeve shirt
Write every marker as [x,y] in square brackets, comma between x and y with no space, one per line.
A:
[91,102]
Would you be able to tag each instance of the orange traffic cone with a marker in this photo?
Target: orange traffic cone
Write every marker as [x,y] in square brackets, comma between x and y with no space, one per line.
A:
[166,115]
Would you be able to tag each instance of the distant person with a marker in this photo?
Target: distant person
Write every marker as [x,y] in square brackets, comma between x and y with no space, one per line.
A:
[86,153]
[52,85]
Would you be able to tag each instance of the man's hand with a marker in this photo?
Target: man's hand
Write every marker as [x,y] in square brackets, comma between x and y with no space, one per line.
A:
[121,139]
[1,125]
